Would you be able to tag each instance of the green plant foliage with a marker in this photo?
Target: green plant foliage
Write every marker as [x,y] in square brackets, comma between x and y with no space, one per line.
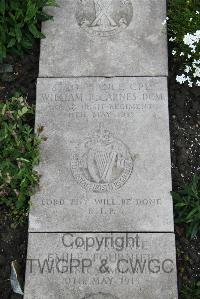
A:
[20,24]
[184,35]
[187,207]
[19,153]
[191,292]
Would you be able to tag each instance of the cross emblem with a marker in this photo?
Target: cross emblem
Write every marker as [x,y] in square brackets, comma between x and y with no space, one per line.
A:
[102,15]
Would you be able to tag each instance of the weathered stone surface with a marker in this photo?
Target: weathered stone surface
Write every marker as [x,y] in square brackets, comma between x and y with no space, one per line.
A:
[106,163]
[105,38]
[101,266]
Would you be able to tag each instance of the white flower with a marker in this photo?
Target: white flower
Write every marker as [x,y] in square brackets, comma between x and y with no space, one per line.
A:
[192,39]
[172,39]
[165,21]
[197,72]
[187,39]
[191,19]
[197,12]
[173,52]
[196,62]
[197,33]
[187,69]
[181,79]
[190,84]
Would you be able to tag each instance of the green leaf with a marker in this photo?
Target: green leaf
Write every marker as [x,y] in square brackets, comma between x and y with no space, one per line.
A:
[18,34]
[180,204]
[23,111]
[2,6]
[51,3]
[26,44]
[11,43]
[23,160]
[2,52]
[36,33]
[19,204]
[176,196]
[31,11]
[4,109]
[192,213]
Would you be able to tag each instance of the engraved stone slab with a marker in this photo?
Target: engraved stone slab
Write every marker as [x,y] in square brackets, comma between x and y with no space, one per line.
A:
[105,38]
[101,266]
[106,163]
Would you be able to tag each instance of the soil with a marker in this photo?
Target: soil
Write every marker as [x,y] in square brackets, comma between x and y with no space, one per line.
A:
[23,78]
[184,113]
[13,246]
[184,110]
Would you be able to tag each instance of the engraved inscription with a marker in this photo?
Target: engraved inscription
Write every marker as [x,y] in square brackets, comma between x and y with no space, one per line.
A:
[104,17]
[102,163]
[103,265]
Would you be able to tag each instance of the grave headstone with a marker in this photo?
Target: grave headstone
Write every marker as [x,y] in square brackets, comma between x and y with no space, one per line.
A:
[101,266]
[106,163]
[101,223]
[105,38]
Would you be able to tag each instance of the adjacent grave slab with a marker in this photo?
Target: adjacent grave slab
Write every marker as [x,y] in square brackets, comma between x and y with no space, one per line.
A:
[101,266]
[105,38]
[106,163]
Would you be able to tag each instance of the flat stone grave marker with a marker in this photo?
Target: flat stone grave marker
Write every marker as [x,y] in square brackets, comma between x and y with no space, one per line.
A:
[101,266]
[101,223]
[105,38]
[106,163]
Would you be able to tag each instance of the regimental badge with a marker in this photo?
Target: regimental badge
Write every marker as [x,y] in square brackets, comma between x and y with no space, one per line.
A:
[101,163]
[104,17]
